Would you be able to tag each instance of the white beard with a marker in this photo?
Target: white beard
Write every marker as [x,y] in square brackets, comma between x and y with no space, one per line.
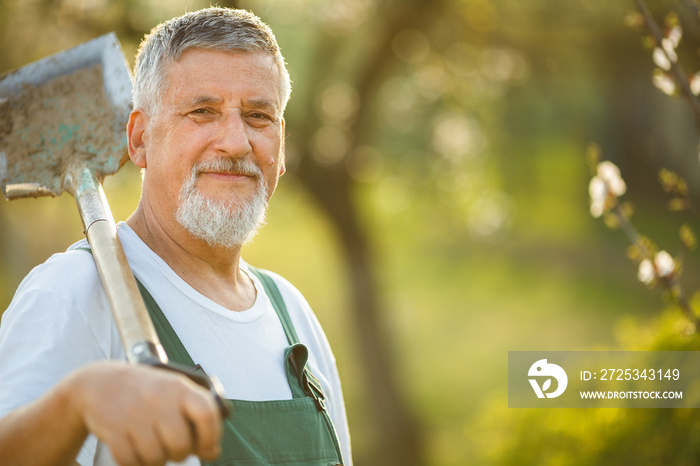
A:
[221,223]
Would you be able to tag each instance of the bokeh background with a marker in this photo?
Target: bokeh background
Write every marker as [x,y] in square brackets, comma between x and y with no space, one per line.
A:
[435,213]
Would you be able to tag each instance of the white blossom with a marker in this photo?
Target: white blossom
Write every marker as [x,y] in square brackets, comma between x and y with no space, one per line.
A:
[662,267]
[674,36]
[660,59]
[599,194]
[597,189]
[597,209]
[694,83]
[606,183]
[646,272]
[664,264]
[610,174]
[663,82]
[670,50]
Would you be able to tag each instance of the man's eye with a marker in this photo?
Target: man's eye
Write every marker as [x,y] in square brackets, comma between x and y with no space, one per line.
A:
[201,111]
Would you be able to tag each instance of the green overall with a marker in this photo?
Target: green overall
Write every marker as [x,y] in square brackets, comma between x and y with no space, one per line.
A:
[281,432]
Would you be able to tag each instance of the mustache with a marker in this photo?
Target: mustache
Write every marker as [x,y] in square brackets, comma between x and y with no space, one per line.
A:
[228,165]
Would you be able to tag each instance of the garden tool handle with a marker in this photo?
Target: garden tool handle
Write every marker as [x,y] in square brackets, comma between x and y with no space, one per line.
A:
[133,322]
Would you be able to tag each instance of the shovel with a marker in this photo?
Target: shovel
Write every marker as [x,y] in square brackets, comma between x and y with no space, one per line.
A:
[62,128]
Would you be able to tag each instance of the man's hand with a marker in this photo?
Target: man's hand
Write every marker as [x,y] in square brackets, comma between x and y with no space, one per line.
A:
[145,415]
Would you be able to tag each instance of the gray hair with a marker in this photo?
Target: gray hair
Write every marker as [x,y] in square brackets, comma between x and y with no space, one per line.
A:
[221,29]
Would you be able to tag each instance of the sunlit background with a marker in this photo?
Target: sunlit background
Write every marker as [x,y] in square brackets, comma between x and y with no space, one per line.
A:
[436,213]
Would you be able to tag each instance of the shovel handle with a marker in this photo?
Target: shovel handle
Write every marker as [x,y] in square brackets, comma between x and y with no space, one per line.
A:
[136,330]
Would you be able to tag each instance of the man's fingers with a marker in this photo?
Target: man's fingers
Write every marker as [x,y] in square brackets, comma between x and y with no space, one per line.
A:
[123,451]
[177,437]
[147,446]
[203,412]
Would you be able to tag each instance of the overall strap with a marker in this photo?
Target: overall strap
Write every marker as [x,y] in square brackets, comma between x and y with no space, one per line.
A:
[296,353]
[277,301]
[167,336]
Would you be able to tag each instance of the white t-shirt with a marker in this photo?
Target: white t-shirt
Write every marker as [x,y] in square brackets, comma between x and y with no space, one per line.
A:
[60,320]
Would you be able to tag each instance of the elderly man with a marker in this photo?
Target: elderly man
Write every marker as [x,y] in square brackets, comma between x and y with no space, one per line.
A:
[208,131]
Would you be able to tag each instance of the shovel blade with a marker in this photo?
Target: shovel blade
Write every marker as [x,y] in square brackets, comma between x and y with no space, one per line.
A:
[62,113]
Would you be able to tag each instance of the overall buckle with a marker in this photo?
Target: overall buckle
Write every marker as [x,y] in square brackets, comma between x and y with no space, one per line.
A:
[314,388]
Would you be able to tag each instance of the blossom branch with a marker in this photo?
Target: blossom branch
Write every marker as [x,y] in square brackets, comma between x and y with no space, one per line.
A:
[660,268]
[693,6]
[678,187]
[675,68]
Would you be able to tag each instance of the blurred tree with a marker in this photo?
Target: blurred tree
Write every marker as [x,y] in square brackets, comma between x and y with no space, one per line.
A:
[323,169]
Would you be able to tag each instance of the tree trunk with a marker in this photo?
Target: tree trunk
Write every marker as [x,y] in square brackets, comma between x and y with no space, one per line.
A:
[398,437]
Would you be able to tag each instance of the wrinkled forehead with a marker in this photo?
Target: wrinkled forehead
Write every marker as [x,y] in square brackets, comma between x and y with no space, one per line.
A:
[197,66]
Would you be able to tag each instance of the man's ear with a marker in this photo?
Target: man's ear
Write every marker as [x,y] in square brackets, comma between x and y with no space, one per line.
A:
[283,168]
[135,131]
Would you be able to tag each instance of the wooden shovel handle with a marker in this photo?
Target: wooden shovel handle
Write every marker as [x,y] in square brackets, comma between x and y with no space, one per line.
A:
[133,322]
[136,330]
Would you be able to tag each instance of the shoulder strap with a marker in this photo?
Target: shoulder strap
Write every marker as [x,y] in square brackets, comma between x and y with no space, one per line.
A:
[167,336]
[308,381]
[277,301]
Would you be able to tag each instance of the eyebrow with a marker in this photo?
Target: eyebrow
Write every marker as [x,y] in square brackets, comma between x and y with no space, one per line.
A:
[204,100]
[262,104]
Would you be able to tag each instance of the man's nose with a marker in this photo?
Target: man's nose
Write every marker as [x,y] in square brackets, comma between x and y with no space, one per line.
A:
[232,138]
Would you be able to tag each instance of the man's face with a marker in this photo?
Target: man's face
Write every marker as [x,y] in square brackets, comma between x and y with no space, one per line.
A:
[218,106]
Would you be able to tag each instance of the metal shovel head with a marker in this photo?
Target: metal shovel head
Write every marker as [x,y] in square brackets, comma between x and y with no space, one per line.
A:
[65,111]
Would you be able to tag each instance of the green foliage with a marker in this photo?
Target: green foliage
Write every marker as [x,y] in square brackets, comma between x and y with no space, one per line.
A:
[688,237]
